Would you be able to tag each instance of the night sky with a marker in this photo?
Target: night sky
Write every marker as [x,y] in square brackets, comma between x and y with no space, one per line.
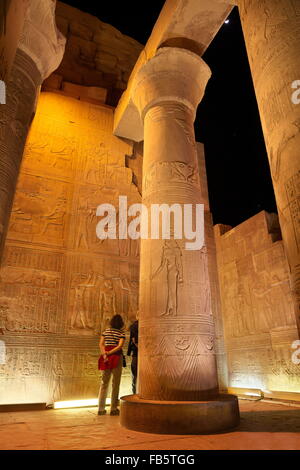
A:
[228,121]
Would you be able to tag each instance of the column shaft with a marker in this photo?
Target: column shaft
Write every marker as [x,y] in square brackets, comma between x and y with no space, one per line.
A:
[15,120]
[40,50]
[176,339]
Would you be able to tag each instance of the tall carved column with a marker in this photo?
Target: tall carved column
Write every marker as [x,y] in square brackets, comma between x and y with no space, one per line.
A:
[272,34]
[39,52]
[12,15]
[178,386]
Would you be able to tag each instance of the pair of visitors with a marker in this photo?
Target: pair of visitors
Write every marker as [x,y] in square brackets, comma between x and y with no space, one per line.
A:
[112,360]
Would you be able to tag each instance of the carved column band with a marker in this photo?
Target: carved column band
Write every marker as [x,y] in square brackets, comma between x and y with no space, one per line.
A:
[176,342]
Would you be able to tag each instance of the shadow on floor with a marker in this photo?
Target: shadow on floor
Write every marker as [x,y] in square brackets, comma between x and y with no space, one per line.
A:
[270,421]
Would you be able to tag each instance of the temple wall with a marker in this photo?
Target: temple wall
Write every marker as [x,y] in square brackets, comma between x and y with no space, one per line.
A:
[257,305]
[97,54]
[215,300]
[58,281]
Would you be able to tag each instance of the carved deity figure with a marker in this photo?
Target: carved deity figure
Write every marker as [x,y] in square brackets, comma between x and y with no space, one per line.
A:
[171,260]
[79,319]
[107,303]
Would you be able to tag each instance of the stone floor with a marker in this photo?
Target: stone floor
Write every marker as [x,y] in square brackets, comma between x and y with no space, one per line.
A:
[263,426]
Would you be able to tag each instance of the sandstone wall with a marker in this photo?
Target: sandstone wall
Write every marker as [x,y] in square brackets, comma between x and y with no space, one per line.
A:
[259,319]
[215,300]
[97,54]
[58,281]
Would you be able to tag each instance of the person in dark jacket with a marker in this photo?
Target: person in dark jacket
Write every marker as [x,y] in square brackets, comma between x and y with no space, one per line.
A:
[133,350]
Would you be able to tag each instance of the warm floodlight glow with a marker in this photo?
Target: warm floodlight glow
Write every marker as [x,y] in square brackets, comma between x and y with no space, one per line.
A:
[75,403]
[78,403]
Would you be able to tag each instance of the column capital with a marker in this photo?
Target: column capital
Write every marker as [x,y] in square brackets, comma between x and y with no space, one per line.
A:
[40,39]
[172,75]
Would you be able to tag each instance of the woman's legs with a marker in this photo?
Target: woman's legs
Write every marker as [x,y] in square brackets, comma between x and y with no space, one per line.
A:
[117,372]
[103,389]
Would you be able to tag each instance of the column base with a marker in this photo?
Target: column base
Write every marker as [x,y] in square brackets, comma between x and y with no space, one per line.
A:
[180,417]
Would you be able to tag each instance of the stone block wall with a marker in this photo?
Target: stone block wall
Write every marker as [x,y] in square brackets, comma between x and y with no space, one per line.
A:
[97,54]
[257,307]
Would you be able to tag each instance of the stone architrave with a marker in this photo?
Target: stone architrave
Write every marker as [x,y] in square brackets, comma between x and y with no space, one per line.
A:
[177,363]
[272,35]
[39,52]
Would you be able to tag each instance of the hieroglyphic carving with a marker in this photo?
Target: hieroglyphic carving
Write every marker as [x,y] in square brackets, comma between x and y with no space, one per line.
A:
[171,259]
[39,210]
[272,44]
[173,172]
[257,304]
[59,283]
[107,303]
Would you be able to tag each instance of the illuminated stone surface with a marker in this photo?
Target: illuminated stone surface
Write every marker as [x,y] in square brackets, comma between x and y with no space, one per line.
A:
[58,280]
[264,426]
[39,52]
[11,25]
[272,34]
[257,305]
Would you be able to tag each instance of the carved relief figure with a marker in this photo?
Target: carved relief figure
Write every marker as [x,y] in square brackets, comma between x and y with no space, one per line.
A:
[131,287]
[171,260]
[172,172]
[79,319]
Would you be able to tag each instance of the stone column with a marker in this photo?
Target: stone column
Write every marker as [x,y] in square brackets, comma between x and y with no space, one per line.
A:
[12,15]
[39,52]
[177,364]
[272,34]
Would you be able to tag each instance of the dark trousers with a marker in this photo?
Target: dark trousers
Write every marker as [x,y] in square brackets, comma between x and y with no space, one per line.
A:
[134,366]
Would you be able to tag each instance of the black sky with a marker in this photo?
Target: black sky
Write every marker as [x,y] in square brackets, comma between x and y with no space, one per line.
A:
[228,121]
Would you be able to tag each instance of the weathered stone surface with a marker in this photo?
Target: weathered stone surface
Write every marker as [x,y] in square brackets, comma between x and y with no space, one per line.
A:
[95,48]
[98,95]
[54,81]
[30,67]
[62,25]
[176,340]
[272,34]
[59,282]
[257,306]
[81,30]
